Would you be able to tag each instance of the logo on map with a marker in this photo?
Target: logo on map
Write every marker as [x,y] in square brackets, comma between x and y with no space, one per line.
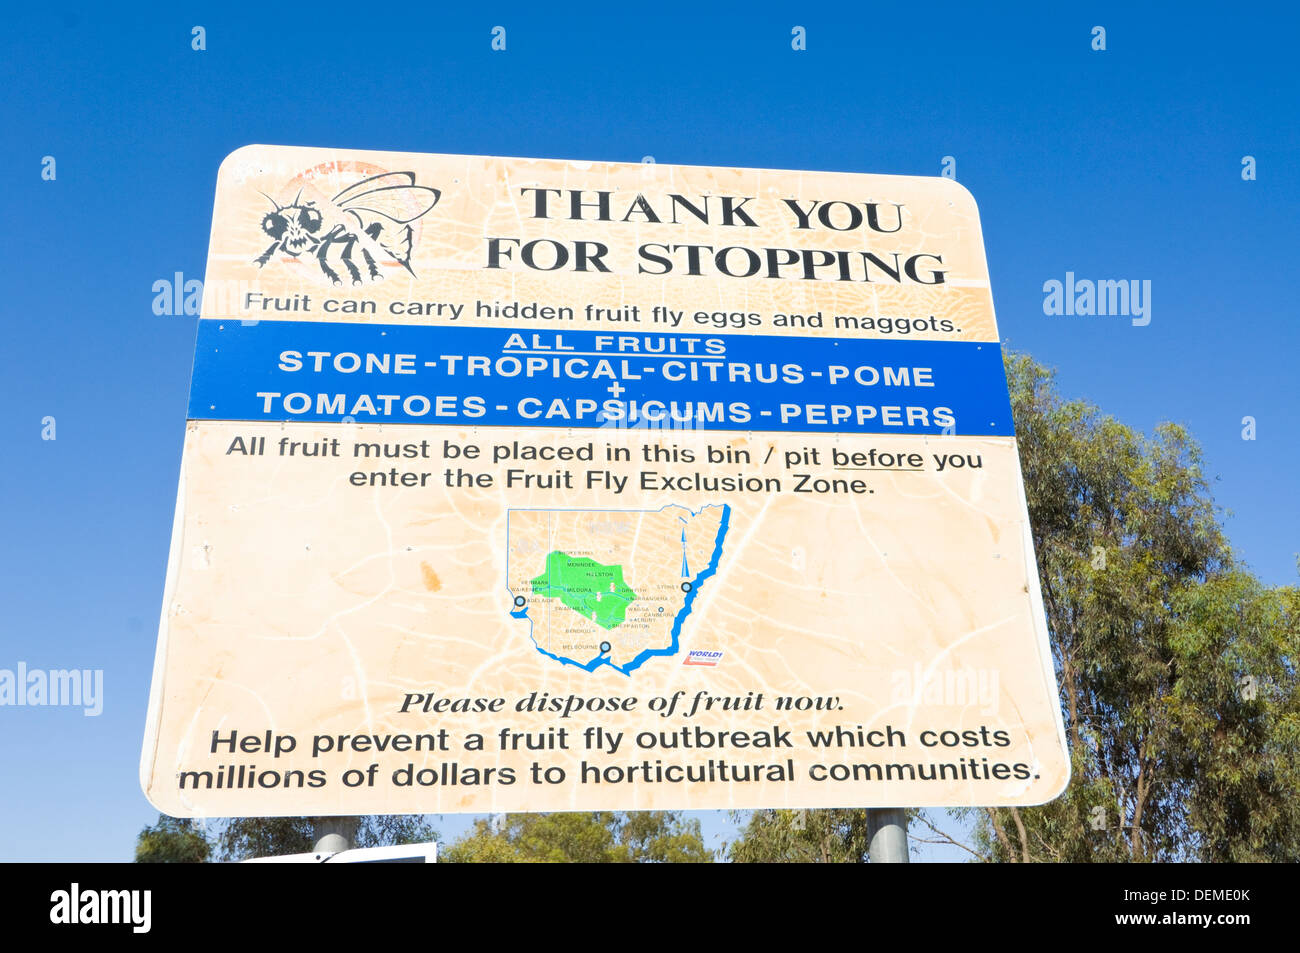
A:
[702,657]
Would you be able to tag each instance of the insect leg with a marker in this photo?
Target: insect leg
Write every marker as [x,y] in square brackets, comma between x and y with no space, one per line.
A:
[348,240]
[370,263]
[323,250]
[373,230]
[266,255]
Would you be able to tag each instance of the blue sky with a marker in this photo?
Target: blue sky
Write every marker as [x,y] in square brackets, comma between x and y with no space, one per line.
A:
[1117,164]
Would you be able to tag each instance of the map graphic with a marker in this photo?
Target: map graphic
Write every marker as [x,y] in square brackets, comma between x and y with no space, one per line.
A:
[610,587]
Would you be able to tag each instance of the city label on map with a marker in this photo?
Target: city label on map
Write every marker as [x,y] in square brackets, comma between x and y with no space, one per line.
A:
[514,484]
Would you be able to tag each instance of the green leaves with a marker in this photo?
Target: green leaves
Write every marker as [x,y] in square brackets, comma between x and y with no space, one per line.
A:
[1157,646]
[178,840]
[830,836]
[604,837]
[173,840]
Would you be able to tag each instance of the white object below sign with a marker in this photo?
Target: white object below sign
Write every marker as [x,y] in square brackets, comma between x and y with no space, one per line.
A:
[400,854]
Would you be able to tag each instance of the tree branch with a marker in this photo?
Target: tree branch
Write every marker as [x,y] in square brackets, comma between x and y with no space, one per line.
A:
[946,839]
[1024,838]
[1002,835]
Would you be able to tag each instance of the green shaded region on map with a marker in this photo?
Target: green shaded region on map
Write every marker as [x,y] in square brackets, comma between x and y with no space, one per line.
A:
[586,586]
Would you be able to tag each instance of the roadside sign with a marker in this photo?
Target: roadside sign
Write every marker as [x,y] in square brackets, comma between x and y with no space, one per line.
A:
[539,485]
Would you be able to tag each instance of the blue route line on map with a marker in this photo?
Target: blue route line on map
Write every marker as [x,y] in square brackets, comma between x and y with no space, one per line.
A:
[678,621]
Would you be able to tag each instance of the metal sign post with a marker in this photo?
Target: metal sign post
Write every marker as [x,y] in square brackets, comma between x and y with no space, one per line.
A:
[887,828]
[334,834]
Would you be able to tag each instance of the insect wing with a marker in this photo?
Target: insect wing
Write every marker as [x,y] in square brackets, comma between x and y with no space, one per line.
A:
[394,195]
[383,180]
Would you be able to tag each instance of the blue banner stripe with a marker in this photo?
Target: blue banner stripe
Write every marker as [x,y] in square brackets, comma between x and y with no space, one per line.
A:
[469,376]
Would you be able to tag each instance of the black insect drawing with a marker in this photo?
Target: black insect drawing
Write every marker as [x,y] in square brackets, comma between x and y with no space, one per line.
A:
[376,212]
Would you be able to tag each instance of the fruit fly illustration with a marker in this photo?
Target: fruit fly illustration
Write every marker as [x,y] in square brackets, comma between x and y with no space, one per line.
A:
[377,213]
